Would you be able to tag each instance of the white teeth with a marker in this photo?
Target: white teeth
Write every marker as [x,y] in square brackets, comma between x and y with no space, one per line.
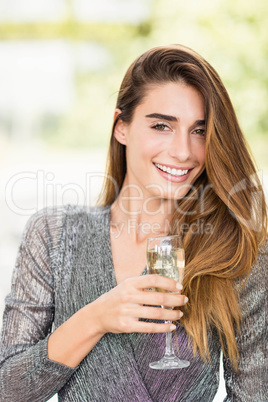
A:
[173,172]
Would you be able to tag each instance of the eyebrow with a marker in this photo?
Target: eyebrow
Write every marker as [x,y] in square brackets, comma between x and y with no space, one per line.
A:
[161,116]
[172,118]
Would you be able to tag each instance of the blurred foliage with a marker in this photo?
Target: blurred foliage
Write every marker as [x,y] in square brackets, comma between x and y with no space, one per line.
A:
[230,34]
[67,29]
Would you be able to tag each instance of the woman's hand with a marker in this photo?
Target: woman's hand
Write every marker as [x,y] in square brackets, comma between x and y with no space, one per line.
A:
[116,311]
[119,309]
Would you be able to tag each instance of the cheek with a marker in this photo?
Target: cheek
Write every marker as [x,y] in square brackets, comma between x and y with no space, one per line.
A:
[145,145]
[153,146]
[148,149]
[203,156]
[200,153]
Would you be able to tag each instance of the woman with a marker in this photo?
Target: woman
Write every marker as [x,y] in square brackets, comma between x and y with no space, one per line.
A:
[178,163]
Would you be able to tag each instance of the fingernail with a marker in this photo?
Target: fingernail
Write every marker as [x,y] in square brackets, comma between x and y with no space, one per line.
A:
[186,299]
[181,314]
[179,286]
[172,327]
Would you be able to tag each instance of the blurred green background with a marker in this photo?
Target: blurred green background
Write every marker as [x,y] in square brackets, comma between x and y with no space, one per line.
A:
[230,34]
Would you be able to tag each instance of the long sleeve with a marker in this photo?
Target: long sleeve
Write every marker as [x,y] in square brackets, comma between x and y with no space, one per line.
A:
[251,382]
[26,373]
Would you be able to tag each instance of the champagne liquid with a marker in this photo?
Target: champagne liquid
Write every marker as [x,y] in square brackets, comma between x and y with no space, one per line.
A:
[166,263]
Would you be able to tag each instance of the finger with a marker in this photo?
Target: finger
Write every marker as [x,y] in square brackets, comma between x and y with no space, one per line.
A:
[156,281]
[151,327]
[157,313]
[159,299]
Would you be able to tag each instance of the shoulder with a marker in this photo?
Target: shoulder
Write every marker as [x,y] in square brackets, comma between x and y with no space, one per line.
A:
[52,224]
[258,274]
[252,290]
[259,268]
[58,215]
[94,212]
[71,226]
[262,259]
[85,216]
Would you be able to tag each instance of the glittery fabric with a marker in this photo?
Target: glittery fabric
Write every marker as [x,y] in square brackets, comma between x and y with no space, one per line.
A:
[65,262]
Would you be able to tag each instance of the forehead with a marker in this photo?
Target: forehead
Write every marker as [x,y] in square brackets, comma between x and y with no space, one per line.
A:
[172,98]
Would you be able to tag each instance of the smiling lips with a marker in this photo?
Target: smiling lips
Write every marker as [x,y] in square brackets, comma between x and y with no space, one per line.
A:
[172,171]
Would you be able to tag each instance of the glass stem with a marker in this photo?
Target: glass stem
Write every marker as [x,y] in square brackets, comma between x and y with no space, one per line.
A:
[169,345]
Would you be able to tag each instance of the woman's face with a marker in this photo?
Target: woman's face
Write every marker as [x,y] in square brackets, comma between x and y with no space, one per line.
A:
[165,141]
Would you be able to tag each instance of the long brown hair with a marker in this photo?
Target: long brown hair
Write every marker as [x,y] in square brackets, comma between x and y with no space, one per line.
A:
[227,199]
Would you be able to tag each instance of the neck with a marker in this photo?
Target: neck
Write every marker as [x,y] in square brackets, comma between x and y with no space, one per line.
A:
[140,217]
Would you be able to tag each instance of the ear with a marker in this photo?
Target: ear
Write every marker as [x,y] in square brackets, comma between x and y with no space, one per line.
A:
[120,129]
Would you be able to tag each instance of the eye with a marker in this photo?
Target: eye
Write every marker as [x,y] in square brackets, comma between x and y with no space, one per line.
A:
[161,127]
[200,131]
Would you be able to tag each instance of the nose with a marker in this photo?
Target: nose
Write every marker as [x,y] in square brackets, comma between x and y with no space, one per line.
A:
[180,147]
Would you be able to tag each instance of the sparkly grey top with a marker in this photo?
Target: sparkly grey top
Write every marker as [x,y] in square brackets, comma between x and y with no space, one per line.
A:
[65,262]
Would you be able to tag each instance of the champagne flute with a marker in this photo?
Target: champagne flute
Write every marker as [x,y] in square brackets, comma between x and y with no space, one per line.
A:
[165,256]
